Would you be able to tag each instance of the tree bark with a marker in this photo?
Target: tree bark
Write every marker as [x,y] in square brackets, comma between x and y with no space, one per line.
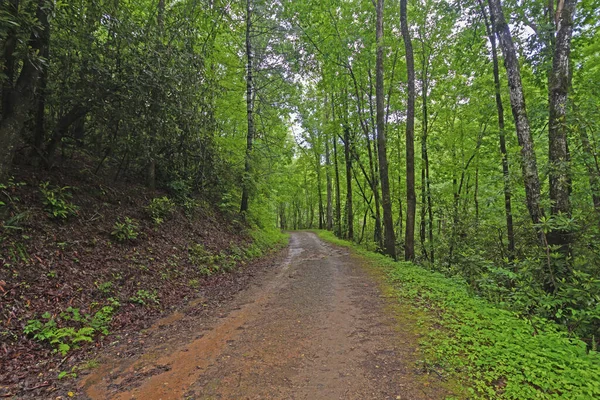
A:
[519,111]
[411,200]
[559,172]
[426,206]
[502,135]
[338,201]
[249,111]
[329,224]
[349,210]
[388,220]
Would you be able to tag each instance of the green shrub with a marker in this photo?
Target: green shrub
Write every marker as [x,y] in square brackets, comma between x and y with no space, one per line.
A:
[181,189]
[76,327]
[126,230]
[160,208]
[57,201]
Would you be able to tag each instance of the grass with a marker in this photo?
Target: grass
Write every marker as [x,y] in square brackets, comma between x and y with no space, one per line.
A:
[493,352]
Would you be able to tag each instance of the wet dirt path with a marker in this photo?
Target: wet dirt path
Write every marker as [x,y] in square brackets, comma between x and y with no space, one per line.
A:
[316,327]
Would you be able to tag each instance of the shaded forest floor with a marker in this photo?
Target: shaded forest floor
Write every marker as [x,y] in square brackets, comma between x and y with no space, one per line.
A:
[70,282]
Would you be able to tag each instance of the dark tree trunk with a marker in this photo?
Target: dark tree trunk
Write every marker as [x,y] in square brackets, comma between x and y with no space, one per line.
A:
[319,190]
[502,135]
[62,126]
[249,110]
[349,211]
[329,218]
[559,172]
[519,111]
[426,206]
[388,220]
[411,200]
[338,200]
[373,180]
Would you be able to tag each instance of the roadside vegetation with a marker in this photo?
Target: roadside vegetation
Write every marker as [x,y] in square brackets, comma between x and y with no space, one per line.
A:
[496,353]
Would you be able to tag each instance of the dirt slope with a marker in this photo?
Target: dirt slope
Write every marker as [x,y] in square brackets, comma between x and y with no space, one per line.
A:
[315,326]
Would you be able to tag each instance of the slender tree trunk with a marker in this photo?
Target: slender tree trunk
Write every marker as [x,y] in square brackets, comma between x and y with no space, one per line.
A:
[338,201]
[517,101]
[249,110]
[329,224]
[320,191]
[349,210]
[388,220]
[502,136]
[411,200]
[378,234]
[560,180]
[425,196]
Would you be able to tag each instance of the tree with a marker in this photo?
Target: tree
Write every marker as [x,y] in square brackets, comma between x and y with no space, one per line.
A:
[489,26]
[249,110]
[411,199]
[390,239]
[559,159]
[519,111]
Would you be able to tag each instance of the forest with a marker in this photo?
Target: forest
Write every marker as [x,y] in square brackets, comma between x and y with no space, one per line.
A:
[460,135]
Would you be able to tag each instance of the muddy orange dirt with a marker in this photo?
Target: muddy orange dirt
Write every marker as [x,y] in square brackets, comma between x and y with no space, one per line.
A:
[315,326]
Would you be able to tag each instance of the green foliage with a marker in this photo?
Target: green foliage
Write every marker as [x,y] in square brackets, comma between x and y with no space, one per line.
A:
[105,287]
[70,328]
[145,297]
[207,263]
[57,201]
[160,208]
[501,355]
[264,240]
[68,374]
[126,230]
[9,201]
[181,189]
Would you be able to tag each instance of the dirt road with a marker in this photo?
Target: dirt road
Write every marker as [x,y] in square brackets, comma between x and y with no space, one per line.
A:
[316,326]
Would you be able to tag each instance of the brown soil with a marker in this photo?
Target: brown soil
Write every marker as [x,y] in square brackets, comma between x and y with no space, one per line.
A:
[313,326]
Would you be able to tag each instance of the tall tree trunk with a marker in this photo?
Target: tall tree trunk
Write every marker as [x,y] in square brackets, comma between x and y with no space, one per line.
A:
[426,211]
[388,219]
[559,173]
[319,190]
[349,210]
[502,135]
[249,111]
[338,200]
[519,111]
[329,218]
[411,200]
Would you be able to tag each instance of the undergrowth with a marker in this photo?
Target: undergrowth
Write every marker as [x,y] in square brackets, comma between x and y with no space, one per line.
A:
[496,353]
